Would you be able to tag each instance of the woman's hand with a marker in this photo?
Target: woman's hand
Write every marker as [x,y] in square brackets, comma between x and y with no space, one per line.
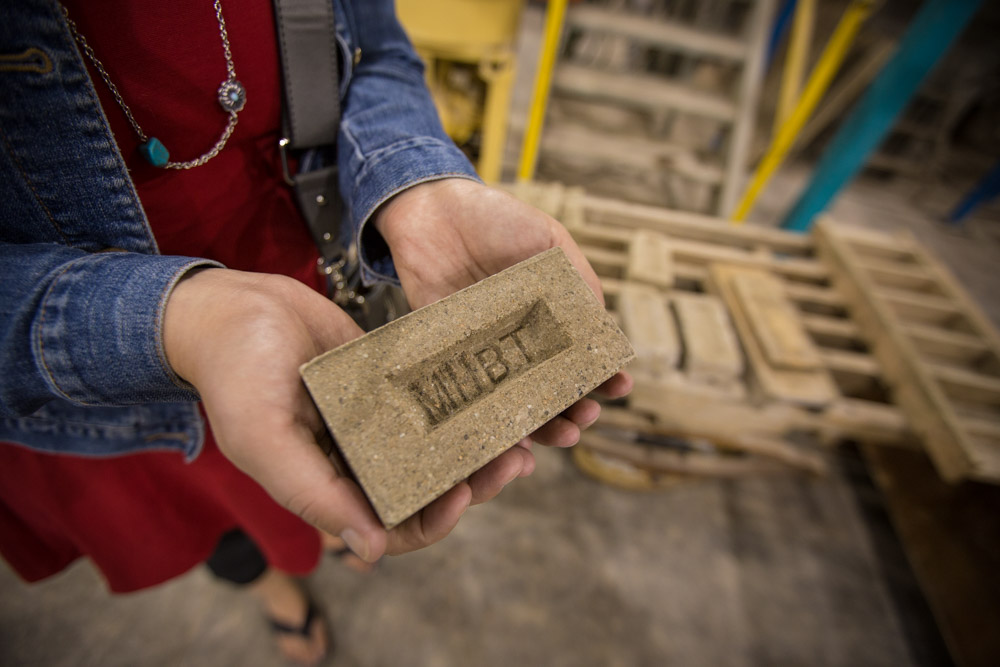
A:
[240,338]
[448,234]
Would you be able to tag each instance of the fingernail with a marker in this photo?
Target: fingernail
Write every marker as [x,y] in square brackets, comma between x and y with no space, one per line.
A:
[354,541]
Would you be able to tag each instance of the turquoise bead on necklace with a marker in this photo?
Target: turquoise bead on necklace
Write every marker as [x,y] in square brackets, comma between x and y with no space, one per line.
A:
[231,96]
[155,152]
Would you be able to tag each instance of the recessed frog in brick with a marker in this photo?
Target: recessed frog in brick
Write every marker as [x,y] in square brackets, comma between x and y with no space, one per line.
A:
[469,370]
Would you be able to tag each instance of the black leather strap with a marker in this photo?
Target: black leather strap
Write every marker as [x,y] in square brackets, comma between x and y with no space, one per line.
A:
[307,38]
[319,201]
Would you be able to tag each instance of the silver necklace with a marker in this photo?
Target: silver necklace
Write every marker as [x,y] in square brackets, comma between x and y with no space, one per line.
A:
[231,95]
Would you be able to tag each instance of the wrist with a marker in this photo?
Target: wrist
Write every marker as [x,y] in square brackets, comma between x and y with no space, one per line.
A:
[390,220]
[181,321]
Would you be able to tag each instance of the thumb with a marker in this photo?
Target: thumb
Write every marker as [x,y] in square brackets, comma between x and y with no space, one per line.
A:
[300,477]
[329,325]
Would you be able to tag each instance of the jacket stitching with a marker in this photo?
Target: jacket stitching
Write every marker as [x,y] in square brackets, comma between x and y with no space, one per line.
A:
[31,186]
[41,338]
[32,60]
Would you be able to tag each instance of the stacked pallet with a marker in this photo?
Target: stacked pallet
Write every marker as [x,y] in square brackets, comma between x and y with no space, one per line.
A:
[753,343]
[675,86]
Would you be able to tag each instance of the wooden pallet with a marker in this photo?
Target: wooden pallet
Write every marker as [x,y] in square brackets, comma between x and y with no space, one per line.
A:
[937,348]
[748,337]
[695,92]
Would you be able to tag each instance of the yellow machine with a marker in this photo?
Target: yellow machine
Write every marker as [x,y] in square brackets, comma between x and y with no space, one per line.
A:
[468,48]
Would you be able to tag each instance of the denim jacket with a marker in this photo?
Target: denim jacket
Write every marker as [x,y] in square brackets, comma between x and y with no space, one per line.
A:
[83,288]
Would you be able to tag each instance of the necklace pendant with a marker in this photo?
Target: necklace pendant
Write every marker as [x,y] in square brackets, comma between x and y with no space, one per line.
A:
[232,96]
[155,152]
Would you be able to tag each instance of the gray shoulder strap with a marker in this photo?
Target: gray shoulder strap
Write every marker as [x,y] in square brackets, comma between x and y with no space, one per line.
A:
[309,54]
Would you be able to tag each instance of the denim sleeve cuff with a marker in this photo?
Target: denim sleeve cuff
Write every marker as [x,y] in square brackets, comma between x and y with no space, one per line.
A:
[387,173]
[97,337]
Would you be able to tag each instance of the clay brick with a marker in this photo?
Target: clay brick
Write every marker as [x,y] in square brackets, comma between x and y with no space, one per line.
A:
[650,260]
[711,350]
[775,322]
[650,327]
[421,403]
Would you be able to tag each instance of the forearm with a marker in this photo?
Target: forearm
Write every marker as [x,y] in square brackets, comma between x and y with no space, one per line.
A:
[85,327]
[390,135]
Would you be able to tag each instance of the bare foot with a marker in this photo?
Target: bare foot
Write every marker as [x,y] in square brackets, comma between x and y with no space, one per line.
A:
[287,605]
[337,547]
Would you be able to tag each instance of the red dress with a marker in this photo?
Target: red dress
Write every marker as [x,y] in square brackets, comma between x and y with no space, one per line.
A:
[148,517]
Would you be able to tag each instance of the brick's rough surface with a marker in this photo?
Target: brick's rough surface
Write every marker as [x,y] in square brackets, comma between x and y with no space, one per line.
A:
[421,403]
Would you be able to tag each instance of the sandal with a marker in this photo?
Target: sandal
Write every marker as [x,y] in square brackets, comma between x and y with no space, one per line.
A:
[303,632]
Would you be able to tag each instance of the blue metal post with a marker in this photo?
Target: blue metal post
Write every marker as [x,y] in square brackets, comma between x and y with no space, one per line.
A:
[985,190]
[930,34]
[781,22]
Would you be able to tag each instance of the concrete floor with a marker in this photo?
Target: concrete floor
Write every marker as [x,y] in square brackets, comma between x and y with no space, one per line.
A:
[561,570]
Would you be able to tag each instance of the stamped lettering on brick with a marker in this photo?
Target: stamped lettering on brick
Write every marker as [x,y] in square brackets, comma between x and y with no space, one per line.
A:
[458,377]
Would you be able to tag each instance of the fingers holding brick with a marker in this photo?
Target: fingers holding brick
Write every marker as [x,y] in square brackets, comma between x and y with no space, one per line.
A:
[431,524]
[488,481]
[559,432]
[617,386]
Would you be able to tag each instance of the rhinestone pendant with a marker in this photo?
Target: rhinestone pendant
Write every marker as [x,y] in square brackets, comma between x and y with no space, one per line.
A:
[232,96]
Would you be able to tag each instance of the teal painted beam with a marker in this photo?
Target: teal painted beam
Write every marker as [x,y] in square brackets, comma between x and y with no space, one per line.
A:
[930,34]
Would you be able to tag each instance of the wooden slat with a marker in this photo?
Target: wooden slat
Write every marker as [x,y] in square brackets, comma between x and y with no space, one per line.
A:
[747,442]
[707,253]
[605,237]
[980,324]
[945,344]
[806,387]
[981,427]
[864,238]
[774,321]
[844,361]
[687,409]
[737,162]
[967,385]
[642,91]
[868,421]
[692,226]
[655,31]
[815,295]
[833,327]
[919,308]
[899,276]
[601,257]
[985,455]
[578,145]
[572,211]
